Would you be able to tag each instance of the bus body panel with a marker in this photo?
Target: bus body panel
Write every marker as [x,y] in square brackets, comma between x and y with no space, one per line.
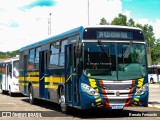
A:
[99,91]
[112,96]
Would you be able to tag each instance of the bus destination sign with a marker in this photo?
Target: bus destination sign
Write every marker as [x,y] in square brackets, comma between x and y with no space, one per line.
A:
[114,35]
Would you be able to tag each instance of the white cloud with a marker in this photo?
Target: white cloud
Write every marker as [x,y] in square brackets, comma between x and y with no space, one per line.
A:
[127,13]
[19,26]
[14,4]
[143,21]
[72,13]
[156,27]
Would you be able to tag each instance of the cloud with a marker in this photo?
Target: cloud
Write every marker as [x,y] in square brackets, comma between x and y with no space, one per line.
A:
[143,21]
[156,27]
[68,14]
[127,13]
[14,4]
[25,22]
[41,3]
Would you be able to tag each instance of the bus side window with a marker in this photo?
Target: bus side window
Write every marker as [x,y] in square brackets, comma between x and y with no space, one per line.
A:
[37,57]
[62,53]
[9,70]
[31,59]
[54,56]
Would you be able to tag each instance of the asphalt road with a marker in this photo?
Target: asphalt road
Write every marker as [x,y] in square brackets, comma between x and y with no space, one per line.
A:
[19,108]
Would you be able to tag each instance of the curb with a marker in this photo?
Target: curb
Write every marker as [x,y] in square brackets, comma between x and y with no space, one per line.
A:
[153,106]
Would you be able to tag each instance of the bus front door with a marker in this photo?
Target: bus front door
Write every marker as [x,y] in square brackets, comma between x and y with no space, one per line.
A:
[71,81]
[42,74]
[25,73]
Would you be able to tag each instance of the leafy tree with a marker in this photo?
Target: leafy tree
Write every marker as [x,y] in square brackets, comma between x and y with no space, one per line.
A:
[148,33]
[131,23]
[103,21]
[120,20]
[9,54]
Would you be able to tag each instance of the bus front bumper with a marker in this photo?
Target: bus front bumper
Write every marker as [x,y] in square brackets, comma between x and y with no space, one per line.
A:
[113,102]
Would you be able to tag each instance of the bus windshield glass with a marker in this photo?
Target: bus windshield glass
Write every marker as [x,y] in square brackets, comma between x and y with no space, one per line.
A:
[114,61]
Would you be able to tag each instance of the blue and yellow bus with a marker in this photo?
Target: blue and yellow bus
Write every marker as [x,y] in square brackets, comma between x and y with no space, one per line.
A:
[87,67]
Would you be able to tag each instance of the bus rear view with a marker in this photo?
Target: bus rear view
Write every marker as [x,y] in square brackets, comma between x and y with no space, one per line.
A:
[114,68]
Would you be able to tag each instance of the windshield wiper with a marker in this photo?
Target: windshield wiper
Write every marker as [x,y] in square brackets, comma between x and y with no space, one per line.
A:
[102,48]
[127,51]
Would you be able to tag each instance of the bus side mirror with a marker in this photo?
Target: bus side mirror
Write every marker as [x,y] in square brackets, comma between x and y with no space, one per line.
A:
[78,50]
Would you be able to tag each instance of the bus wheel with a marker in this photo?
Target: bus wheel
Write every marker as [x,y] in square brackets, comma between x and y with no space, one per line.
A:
[10,93]
[62,100]
[31,95]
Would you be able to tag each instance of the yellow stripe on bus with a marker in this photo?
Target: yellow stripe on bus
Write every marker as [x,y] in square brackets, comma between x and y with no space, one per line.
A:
[36,79]
[140,82]
[136,99]
[54,79]
[93,83]
[35,85]
[21,78]
[98,100]
[53,87]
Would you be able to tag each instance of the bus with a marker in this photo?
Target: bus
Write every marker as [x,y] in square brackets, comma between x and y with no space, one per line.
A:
[87,67]
[9,72]
[154,73]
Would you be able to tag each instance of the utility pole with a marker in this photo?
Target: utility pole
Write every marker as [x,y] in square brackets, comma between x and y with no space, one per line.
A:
[88,12]
[49,24]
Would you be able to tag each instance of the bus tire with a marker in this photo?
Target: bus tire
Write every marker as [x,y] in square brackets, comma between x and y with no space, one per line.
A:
[10,93]
[31,95]
[64,108]
[145,104]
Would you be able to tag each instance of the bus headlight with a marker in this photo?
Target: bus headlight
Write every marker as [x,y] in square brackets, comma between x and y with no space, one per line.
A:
[89,90]
[142,90]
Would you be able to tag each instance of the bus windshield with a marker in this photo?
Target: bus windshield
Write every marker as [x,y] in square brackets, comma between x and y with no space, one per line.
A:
[114,61]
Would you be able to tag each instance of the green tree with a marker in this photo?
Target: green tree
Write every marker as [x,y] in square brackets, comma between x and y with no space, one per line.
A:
[148,33]
[9,54]
[120,20]
[131,23]
[155,52]
[103,21]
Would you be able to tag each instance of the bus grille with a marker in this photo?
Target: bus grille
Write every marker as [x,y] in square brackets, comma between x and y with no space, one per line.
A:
[117,86]
[115,101]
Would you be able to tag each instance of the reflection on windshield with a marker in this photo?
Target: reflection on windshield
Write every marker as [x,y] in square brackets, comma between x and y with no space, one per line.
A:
[114,61]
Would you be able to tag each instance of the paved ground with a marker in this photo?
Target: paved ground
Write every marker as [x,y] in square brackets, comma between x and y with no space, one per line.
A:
[154,95]
[52,110]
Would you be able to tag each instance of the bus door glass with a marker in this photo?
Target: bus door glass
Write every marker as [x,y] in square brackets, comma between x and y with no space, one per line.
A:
[8,75]
[25,73]
[71,81]
[42,75]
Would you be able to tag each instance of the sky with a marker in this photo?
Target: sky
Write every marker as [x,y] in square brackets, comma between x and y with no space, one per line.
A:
[23,22]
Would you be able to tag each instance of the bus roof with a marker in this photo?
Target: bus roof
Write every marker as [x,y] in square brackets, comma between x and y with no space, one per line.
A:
[72,32]
[112,26]
[56,37]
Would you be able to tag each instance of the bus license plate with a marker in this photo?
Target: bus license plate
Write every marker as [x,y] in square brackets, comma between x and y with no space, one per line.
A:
[117,106]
